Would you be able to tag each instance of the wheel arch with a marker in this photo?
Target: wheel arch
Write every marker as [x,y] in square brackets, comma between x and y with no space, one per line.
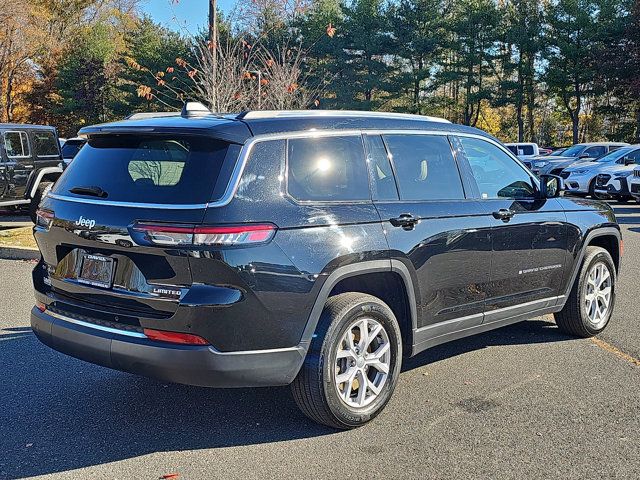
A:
[379,278]
[50,174]
[608,238]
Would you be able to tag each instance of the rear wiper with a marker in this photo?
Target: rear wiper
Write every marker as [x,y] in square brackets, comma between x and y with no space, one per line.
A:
[90,190]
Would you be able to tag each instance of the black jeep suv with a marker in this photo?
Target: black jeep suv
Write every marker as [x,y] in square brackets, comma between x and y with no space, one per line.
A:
[315,249]
[30,161]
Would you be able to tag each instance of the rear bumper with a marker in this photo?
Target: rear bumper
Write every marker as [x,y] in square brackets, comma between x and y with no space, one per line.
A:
[192,365]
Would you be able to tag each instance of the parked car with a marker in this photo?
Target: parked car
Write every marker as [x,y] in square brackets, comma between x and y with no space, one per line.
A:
[633,182]
[71,148]
[580,178]
[524,150]
[577,153]
[557,152]
[310,248]
[612,182]
[545,151]
[30,161]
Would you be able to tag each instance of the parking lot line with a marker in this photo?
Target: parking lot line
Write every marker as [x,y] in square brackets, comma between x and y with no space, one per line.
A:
[617,352]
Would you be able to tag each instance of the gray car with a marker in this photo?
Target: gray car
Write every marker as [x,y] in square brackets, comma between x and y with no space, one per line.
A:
[579,152]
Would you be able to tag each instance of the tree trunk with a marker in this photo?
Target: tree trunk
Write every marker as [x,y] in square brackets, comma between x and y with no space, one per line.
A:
[520,121]
[576,131]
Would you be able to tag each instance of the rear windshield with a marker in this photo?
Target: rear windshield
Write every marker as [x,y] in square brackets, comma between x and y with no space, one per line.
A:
[153,169]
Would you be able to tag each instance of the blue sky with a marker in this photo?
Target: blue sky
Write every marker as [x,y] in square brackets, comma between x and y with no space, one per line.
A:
[190,14]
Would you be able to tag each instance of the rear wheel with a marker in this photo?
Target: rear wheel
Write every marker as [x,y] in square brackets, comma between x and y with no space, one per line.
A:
[41,191]
[353,363]
[590,303]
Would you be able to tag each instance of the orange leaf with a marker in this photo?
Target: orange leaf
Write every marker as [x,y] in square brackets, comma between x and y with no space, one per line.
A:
[331,30]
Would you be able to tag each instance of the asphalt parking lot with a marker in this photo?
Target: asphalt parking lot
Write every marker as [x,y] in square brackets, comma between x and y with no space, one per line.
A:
[521,402]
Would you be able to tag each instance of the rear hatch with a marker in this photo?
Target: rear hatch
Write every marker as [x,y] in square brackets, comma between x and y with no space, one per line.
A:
[93,226]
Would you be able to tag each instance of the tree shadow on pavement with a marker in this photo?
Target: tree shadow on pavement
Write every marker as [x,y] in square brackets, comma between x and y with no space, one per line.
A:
[58,413]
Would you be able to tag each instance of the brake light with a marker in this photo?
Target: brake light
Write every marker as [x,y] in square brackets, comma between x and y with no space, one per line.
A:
[171,235]
[621,247]
[44,218]
[174,337]
[41,306]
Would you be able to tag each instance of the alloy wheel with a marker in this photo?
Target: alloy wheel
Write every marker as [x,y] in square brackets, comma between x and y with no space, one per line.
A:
[597,298]
[362,363]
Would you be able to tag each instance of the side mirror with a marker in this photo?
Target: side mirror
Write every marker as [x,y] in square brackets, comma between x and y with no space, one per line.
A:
[551,186]
[629,161]
[584,155]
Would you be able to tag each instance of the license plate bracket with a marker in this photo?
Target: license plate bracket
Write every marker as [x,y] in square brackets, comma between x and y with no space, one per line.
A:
[96,270]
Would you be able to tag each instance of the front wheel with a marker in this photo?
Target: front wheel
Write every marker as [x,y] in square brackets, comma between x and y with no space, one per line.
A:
[353,363]
[590,303]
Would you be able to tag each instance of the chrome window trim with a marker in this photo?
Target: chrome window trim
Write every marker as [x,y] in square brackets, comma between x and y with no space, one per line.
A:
[92,201]
[247,147]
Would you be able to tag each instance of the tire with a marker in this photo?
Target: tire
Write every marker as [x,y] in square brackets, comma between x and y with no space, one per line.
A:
[41,191]
[578,318]
[592,190]
[316,389]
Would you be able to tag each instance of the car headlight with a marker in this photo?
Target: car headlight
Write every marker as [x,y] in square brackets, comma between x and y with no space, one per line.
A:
[540,164]
[579,172]
[622,174]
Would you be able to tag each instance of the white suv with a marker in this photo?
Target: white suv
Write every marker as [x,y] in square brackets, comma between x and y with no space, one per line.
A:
[633,182]
[580,177]
[612,182]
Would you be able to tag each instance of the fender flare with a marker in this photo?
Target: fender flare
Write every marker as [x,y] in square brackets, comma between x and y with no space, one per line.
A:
[33,186]
[352,270]
[597,232]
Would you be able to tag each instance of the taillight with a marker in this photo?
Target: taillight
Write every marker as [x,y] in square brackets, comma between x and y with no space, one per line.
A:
[174,337]
[44,218]
[171,235]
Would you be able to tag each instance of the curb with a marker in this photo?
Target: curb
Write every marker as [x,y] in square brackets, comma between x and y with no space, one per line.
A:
[19,253]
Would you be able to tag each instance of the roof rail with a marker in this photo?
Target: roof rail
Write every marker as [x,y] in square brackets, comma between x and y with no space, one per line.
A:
[144,115]
[258,114]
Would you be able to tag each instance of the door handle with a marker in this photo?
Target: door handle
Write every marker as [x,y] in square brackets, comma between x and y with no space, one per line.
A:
[405,220]
[504,214]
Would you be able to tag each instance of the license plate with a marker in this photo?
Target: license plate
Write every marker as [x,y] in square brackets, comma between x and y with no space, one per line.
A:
[96,271]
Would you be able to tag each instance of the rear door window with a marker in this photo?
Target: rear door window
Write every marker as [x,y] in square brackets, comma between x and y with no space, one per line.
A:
[154,169]
[16,144]
[381,170]
[425,167]
[327,169]
[45,144]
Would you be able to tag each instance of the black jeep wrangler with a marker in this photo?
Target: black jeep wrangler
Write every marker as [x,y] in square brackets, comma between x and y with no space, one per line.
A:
[316,249]
[30,161]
